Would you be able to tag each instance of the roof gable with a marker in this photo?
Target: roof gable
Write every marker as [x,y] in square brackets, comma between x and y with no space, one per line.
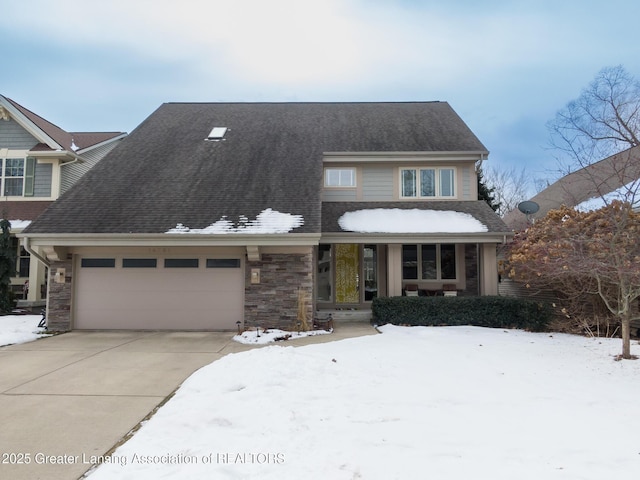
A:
[50,135]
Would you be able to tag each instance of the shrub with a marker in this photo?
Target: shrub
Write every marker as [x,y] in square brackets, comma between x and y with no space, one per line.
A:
[490,311]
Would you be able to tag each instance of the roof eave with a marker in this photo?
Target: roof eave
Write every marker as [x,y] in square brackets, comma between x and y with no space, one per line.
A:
[168,239]
[477,237]
[407,156]
[100,144]
[65,156]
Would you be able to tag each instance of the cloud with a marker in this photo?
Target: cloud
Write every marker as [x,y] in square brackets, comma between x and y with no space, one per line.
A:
[291,42]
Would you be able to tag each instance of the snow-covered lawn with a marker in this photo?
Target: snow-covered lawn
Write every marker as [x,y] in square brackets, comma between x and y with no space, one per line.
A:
[412,403]
[20,329]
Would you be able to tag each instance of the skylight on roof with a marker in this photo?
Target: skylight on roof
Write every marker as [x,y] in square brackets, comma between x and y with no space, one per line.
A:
[217,133]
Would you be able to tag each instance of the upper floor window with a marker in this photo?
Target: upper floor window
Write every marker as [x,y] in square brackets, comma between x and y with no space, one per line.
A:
[427,182]
[13,177]
[340,177]
[16,176]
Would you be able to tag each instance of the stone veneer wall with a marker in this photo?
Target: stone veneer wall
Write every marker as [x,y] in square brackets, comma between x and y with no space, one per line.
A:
[59,298]
[273,303]
[471,270]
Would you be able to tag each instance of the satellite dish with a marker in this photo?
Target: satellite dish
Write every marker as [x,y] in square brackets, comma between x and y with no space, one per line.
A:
[528,207]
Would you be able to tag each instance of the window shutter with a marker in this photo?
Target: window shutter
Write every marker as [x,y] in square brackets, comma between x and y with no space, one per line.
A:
[29,174]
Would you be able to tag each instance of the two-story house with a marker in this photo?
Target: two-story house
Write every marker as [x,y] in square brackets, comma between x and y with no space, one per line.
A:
[39,161]
[218,215]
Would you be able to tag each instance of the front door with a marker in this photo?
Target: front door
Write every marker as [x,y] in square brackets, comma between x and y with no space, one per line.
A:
[347,273]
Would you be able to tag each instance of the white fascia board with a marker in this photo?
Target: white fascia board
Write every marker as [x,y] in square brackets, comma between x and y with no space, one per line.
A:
[29,126]
[98,145]
[351,157]
[65,156]
[411,238]
[169,240]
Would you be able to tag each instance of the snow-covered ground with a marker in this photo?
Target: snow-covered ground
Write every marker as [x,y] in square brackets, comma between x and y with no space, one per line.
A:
[19,329]
[262,337]
[412,403]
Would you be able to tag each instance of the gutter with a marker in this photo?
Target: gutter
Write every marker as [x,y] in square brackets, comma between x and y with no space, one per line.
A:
[31,251]
[171,240]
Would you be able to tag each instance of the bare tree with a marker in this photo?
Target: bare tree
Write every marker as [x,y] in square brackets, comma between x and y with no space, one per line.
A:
[509,187]
[596,136]
[602,121]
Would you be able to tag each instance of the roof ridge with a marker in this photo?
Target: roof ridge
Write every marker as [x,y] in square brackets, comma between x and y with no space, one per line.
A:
[386,102]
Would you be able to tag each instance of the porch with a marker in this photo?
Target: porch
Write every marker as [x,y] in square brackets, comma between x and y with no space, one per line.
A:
[350,275]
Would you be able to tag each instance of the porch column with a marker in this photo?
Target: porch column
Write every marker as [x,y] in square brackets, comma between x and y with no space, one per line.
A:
[36,279]
[489,269]
[394,270]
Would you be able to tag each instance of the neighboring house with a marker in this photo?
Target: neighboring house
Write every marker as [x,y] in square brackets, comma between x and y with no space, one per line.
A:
[213,216]
[39,162]
[594,181]
[583,188]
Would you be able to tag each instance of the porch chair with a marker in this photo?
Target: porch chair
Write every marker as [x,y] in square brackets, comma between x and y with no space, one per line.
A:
[411,290]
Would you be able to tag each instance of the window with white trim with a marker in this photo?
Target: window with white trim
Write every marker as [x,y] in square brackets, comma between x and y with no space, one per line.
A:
[427,182]
[17,176]
[429,262]
[339,177]
[13,177]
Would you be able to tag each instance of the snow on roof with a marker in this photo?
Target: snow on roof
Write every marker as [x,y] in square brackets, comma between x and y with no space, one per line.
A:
[624,193]
[395,220]
[267,221]
[19,224]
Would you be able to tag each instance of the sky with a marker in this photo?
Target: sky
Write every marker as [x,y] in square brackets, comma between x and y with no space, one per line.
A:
[505,66]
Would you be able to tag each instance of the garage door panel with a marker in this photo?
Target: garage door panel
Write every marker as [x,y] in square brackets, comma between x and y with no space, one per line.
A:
[159,298]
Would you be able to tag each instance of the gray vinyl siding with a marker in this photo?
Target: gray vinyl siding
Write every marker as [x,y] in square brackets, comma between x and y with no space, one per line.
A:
[466,184]
[339,195]
[42,180]
[14,137]
[377,183]
[70,174]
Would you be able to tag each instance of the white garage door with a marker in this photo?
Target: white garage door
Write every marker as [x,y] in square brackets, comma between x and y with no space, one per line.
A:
[198,293]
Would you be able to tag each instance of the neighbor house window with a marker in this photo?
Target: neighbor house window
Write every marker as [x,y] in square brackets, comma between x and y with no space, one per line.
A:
[340,177]
[13,177]
[17,176]
[427,182]
[429,262]
[22,258]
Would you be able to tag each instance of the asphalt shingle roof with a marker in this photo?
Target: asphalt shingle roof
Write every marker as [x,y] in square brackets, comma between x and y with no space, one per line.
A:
[62,137]
[165,173]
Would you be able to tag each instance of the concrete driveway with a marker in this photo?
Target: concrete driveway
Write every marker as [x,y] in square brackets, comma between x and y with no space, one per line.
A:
[66,398]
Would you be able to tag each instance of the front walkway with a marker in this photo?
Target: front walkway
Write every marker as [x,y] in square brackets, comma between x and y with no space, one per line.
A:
[66,398]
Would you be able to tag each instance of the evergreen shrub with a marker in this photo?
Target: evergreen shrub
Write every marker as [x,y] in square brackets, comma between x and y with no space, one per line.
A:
[488,311]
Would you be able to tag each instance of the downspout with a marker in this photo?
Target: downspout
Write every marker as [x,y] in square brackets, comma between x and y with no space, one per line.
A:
[480,161]
[31,251]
